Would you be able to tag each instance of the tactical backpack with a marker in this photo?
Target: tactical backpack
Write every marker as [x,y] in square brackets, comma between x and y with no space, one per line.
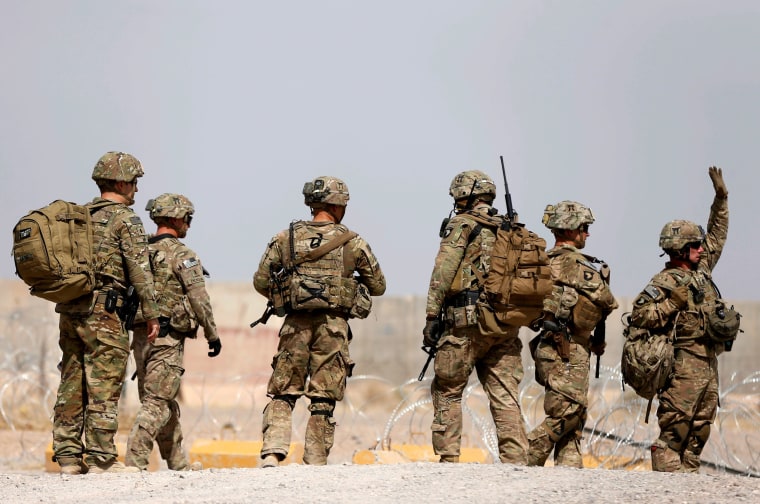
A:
[519,277]
[52,250]
[647,361]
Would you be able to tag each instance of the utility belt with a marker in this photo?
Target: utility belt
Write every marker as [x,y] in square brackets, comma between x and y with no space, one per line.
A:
[465,298]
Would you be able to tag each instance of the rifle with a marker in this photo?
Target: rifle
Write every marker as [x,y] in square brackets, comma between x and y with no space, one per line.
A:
[597,339]
[431,350]
[268,312]
[507,198]
[560,335]
[128,309]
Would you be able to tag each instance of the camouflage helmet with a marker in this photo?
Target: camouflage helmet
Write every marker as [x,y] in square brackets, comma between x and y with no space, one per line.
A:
[170,206]
[567,215]
[676,234]
[325,191]
[117,166]
[471,182]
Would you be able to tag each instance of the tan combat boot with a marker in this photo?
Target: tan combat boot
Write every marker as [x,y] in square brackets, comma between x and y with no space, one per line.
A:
[113,467]
[72,466]
[271,460]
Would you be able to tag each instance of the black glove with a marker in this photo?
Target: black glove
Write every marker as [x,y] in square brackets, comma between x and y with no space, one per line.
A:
[430,333]
[598,347]
[215,347]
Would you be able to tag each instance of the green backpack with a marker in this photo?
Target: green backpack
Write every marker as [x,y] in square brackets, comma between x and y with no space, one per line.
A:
[52,250]
[647,362]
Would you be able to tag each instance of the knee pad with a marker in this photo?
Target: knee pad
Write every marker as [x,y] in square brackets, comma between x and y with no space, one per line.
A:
[324,407]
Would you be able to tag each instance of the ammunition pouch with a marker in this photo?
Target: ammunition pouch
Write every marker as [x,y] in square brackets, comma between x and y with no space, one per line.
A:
[362,303]
[585,316]
[461,309]
[183,318]
[299,292]
[721,322]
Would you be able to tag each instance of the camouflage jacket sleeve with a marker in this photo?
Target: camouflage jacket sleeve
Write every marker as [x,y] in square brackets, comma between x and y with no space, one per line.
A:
[652,308]
[450,255]
[133,245]
[573,276]
[189,271]
[717,233]
[368,267]
[271,258]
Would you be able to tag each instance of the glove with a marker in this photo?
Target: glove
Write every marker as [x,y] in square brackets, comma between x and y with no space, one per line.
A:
[680,296]
[598,348]
[430,333]
[215,347]
[716,175]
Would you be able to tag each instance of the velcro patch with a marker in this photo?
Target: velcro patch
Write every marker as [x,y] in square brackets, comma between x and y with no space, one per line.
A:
[652,291]
[189,263]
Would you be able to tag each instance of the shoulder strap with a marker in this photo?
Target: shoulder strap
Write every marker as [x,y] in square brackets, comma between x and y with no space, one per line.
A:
[323,249]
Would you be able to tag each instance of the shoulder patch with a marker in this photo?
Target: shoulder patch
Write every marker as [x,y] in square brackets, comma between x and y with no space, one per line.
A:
[189,263]
[135,220]
[652,291]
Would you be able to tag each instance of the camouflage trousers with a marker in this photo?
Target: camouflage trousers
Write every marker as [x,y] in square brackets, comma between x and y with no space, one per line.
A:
[312,346]
[95,350]
[687,409]
[159,374]
[565,405]
[498,364]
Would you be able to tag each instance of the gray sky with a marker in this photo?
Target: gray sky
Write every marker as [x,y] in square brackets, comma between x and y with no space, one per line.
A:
[619,105]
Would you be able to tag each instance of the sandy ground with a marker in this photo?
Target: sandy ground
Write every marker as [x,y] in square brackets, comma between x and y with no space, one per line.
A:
[414,482]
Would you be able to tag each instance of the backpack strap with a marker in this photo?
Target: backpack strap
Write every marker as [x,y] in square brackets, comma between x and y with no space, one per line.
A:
[481,222]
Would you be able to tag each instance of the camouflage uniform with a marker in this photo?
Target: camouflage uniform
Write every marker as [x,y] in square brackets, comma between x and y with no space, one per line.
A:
[313,343]
[689,401]
[464,254]
[580,298]
[94,343]
[184,305]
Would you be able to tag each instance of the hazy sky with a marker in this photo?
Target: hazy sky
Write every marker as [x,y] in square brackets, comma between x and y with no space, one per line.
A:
[619,105]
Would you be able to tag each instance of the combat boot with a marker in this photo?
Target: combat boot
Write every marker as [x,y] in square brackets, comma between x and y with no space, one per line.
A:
[194,466]
[567,452]
[271,460]
[72,466]
[539,447]
[664,459]
[449,459]
[113,467]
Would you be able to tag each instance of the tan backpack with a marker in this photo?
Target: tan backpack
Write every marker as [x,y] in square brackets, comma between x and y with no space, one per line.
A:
[519,277]
[52,250]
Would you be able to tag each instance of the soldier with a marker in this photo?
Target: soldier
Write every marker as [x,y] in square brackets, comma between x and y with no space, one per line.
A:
[682,297]
[307,272]
[580,299]
[93,339]
[455,287]
[184,306]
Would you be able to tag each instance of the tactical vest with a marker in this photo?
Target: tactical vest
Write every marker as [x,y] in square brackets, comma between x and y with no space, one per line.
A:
[705,314]
[170,294]
[109,263]
[316,273]
[594,296]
